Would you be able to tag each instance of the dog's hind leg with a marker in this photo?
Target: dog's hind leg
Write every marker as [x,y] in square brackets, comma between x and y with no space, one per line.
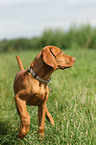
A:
[49,117]
[25,118]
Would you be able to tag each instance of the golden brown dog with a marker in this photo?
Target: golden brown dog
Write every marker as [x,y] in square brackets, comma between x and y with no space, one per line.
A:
[31,85]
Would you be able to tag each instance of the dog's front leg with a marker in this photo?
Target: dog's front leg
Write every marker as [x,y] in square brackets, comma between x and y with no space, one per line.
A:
[41,118]
[22,111]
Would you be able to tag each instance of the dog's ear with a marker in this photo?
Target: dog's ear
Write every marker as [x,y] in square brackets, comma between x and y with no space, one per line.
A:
[49,58]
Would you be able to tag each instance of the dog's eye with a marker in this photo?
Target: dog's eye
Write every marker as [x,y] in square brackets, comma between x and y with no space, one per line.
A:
[60,52]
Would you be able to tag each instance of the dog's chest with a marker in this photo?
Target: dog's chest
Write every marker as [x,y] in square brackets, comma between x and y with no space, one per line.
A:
[38,94]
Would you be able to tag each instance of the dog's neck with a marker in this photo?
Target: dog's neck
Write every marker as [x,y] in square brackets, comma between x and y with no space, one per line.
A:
[39,67]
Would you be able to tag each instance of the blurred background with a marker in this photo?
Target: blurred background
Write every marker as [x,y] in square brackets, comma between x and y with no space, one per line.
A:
[28,24]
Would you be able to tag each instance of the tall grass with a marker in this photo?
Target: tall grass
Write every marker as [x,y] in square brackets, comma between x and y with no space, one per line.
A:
[83,36]
[72,102]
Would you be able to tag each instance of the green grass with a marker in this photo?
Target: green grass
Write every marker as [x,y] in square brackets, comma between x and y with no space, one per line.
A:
[72,102]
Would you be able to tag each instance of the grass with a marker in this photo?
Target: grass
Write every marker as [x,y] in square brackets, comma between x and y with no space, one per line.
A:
[72,102]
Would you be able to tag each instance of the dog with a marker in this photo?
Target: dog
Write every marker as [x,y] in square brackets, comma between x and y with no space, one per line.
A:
[31,86]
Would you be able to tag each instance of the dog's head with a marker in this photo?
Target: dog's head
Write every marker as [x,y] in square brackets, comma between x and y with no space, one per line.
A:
[55,58]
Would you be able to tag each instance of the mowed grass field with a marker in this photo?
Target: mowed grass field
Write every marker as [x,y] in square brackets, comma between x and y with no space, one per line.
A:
[72,102]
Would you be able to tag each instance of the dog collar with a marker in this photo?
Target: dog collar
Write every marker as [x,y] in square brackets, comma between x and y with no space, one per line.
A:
[37,77]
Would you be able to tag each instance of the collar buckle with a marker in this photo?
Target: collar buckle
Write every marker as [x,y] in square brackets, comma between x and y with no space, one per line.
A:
[50,85]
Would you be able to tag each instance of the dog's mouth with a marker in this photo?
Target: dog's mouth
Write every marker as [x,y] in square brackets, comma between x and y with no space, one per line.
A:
[64,67]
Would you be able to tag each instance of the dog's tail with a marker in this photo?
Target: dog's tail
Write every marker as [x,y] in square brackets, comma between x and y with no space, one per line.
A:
[20,63]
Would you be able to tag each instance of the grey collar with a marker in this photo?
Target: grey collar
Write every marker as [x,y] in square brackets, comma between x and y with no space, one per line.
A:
[37,77]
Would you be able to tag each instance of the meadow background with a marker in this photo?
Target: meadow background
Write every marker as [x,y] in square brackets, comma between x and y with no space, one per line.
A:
[72,102]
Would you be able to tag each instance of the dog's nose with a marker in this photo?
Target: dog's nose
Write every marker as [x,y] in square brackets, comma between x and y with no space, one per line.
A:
[73,59]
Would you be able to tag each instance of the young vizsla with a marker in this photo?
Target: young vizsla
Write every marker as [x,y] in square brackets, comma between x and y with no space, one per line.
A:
[31,85]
